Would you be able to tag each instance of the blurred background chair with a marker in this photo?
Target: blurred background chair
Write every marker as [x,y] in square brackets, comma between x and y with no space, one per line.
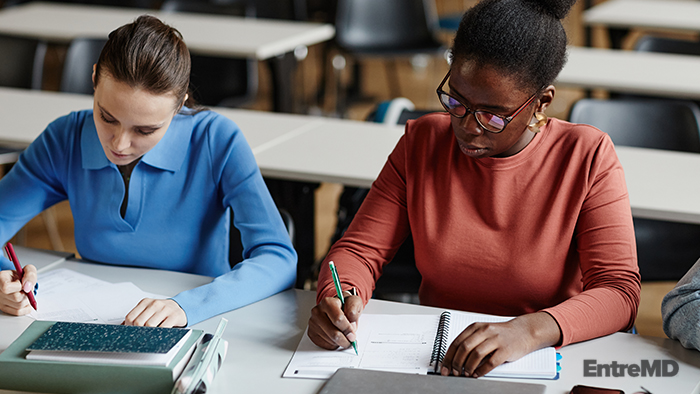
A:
[650,43]
[81,55]
[220,81]
[388,29]
[22,64]
[235,251]
[665,250]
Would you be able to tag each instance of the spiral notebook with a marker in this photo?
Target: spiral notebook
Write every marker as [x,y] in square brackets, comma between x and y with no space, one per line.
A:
[410,344]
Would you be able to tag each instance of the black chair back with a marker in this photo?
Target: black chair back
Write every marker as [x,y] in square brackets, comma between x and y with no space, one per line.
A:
[386,25]
[667,45]
[219,81]
[665,250]
[22,62]
[82,54]
[657,124]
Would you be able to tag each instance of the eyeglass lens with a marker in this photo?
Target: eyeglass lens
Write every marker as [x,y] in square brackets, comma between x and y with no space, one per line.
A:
[489,121]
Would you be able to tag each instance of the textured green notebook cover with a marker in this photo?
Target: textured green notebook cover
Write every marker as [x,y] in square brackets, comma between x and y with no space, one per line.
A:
[18,373]
[88,337]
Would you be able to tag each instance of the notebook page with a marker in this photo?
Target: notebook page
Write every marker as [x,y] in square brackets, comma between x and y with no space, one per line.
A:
[399,343]
[538,364]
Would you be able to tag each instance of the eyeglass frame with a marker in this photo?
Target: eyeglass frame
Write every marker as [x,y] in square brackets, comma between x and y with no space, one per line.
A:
[506,119]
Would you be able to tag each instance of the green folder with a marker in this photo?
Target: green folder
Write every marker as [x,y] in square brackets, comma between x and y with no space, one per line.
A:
[18,373]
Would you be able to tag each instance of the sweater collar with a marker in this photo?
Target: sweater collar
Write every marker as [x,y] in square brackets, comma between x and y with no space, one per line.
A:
[168,154]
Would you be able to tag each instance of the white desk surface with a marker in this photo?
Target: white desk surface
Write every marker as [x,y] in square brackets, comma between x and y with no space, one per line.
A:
[263,336]
[334,150]
[26,113]
[655,74]
[655,14]
[204,34]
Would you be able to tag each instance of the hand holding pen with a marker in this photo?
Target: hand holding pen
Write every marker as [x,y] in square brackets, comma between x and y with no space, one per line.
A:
[333,321]
[16,287]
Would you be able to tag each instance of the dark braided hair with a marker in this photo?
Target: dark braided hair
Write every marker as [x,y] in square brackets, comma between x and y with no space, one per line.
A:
[524,38]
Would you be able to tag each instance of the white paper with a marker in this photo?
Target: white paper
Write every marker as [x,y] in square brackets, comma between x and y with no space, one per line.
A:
[69,296]
[404,343]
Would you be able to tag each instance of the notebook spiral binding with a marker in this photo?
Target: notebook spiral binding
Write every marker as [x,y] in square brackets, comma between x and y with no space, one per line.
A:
[440,345]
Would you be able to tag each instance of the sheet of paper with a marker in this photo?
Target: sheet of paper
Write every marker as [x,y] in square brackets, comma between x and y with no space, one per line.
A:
[540,363]
[66,295]
[399,343]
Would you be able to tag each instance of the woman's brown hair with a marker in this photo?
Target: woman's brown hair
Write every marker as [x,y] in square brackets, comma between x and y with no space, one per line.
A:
[149,55]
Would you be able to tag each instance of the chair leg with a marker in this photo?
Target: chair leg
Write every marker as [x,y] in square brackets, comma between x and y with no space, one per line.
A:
[51,225]
[339,63]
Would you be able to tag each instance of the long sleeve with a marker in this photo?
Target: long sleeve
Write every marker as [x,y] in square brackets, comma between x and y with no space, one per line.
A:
[375,234]
[33,184]
[607,256]
[681,309]
[269,264]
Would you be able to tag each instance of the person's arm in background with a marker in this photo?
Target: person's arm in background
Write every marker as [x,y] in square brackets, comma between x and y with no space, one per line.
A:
[270,261]
[33,184]
[681,309]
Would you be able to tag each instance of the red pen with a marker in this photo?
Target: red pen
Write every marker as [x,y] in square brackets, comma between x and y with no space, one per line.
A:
[11,254]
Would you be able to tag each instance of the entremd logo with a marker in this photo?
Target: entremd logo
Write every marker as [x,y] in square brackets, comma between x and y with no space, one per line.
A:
[659,368]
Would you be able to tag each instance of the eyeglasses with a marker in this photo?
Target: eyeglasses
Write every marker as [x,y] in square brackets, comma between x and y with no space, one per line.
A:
[487,120]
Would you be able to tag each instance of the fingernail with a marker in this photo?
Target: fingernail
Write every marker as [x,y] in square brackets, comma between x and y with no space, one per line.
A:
[351,337]
[28,286]
[455,372]
[445,371]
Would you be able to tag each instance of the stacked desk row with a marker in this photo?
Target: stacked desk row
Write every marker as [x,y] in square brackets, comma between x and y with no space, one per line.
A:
[273,41]
[263,336]
[315,149]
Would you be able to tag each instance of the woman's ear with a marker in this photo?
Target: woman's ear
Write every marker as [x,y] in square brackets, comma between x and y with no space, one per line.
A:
[546,98]
[94,68]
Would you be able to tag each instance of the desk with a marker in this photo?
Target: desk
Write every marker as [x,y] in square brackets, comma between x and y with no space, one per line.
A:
[263,336]
[646,73]
[217,35]
[621,15]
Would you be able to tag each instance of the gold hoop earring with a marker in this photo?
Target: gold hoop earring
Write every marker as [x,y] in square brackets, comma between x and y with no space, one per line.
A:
[539,119]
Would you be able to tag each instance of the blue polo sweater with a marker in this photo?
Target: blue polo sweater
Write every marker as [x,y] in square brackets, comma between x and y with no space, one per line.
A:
[177,216]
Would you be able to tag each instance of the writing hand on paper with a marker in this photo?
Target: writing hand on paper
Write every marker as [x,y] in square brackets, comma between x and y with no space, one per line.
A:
[330,326]
[156,313]
[482,347]
[13,300]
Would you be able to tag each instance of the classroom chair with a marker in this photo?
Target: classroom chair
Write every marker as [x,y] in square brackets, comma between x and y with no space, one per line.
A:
[219,81]
[387,29]
[665,250]
[235,251]
[81,55]
[24,67]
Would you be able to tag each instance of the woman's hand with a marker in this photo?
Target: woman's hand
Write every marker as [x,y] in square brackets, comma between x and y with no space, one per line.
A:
[13,297]
[331,326]
[156,313]
[482,347]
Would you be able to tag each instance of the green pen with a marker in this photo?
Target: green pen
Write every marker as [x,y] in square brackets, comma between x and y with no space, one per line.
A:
[336,282]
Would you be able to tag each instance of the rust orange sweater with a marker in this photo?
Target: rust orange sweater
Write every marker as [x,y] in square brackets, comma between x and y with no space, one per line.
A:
[548,229]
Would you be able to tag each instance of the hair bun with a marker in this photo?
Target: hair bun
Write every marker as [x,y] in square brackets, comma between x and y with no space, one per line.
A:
[557,8]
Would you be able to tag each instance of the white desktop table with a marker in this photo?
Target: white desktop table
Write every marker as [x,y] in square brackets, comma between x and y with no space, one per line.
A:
[621,15]
[645,73]
[218,35]
[263,336]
